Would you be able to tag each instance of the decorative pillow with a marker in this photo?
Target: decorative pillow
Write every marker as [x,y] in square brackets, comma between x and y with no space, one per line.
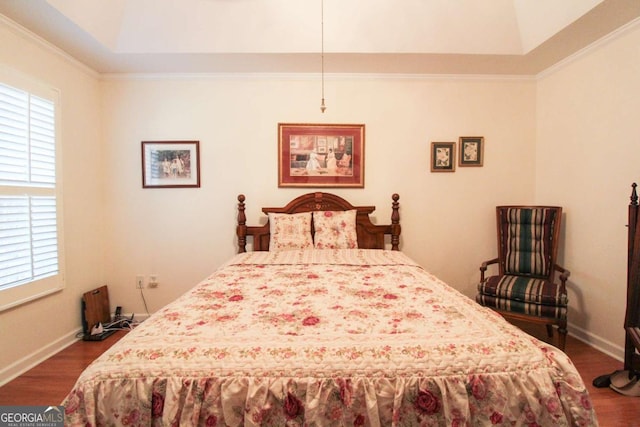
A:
[290,231]
[335,229]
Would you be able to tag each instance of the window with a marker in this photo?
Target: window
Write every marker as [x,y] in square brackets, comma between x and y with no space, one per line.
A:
[30,199]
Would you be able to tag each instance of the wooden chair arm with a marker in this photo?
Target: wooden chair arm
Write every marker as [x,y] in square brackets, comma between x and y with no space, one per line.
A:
[564,275]
[484,265]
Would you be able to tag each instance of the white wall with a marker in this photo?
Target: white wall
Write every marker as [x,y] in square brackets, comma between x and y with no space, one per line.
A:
[30,331]
[183,234]
[587,153]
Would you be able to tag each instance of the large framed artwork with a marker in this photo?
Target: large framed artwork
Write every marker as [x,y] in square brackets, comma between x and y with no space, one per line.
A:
[170,164]
[320,155]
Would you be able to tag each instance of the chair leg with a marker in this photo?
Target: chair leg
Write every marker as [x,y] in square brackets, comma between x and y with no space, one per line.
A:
[549,330]
[562,336]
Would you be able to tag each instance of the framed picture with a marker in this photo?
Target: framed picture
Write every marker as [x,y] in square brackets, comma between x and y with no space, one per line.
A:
[443,157]
[170,164]
[471,150]
[320,155]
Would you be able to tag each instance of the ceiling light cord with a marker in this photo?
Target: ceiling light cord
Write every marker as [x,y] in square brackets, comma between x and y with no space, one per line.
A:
[322,106]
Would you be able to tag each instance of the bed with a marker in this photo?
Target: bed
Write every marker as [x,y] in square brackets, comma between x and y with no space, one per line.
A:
[336,334]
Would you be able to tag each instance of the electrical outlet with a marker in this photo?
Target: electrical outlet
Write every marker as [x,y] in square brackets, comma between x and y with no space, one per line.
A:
[153,280]
[139,281]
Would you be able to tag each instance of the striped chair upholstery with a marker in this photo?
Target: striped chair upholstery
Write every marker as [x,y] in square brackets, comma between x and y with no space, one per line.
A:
[535,297]
[527,247]
[527,240]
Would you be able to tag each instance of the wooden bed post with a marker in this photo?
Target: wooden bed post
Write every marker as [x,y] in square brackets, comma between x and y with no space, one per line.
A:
[633,215]
[632,316]
[395,223]
[241,230]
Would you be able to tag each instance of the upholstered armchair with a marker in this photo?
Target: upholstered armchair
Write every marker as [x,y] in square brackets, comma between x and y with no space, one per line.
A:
[525,287]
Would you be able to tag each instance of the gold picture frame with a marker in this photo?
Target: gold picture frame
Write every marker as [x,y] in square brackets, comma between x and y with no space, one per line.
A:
[443,157]
[320,155]
[471,149]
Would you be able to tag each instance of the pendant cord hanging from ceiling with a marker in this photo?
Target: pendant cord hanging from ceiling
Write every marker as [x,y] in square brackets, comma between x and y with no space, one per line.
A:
[322,106]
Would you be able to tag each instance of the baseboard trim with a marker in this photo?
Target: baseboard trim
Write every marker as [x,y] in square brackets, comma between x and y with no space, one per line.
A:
[30,361]
[23,365]
[605,346]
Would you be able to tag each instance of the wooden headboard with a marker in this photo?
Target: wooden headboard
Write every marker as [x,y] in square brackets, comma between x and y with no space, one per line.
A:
[370,236]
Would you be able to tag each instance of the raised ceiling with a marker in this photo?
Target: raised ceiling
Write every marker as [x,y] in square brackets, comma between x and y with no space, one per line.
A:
[519,37]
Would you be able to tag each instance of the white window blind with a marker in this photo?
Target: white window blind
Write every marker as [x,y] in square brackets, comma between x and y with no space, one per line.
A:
[30,235]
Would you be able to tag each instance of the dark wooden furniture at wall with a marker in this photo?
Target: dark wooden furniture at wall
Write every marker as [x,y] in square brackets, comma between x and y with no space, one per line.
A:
[632,316]
[525,286]
[370,236]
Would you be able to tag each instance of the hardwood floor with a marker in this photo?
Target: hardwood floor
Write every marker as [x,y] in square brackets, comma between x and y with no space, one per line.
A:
[612,409]
[49,382]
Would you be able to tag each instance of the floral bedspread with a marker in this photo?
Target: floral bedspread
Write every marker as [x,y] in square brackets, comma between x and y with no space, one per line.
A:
[328,338]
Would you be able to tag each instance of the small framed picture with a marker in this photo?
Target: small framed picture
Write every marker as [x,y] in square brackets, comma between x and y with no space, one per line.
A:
[471,150]
[443,157]
[170,164]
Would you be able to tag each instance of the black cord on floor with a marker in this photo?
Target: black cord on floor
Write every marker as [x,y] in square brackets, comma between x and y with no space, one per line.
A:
[144,301]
